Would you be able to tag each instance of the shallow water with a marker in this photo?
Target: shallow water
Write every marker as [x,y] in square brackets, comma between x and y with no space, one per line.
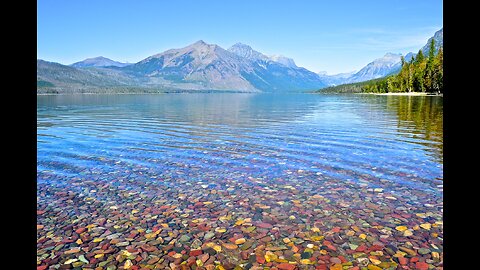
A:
[393,138]
[240,151]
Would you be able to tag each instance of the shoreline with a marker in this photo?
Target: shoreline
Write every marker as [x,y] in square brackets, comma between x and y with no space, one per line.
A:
[403,94]
[204,92]
[147,93]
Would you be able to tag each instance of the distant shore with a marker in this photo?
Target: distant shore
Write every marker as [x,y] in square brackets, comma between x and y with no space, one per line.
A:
[403,94]
[71,94]
[149,93]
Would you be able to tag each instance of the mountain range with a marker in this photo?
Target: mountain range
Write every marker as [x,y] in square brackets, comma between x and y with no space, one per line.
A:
[390,63]
[199,66]
[202,67]
[438,37]
[381,67]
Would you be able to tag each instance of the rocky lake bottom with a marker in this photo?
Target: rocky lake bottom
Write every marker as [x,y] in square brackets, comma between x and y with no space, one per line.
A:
[239,181]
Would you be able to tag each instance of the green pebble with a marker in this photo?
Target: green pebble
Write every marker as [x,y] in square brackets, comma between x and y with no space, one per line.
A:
[77,264]
[102,264]
[423,251]
[306,255]
[82,259]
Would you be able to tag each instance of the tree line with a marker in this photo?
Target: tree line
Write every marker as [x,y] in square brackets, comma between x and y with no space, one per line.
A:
[421,74]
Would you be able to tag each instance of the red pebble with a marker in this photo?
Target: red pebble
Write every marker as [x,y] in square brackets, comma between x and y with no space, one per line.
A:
[80,230]
[376,248]
[66,241]
[194,253]
[260,259]
[286,266]
[342,259]
[264,225]
[414,259]
[42,267]
[324,258]
[204,228]
[421,266]
[403,260]
[190,261]
[361,248]
[331,247]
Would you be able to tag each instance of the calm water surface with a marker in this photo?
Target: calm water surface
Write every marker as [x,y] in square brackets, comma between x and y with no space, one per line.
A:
[354,138]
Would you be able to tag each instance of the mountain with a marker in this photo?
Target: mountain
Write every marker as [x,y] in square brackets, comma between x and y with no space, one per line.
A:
[277,73]
[247,52]
[58,78]
[438,37]
[381,67]
[202,66]
[388,64]
[336,79]
[283,60]
[199,66]
[99,61]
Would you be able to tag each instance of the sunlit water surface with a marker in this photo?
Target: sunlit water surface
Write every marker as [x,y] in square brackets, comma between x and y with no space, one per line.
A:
[353,138]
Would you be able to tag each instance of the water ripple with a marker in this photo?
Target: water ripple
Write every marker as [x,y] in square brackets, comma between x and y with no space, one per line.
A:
[350,138]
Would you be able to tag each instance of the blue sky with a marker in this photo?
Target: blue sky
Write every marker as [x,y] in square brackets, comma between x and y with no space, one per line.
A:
[333,36]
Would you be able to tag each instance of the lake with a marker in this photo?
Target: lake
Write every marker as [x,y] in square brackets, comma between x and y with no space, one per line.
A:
[247,179]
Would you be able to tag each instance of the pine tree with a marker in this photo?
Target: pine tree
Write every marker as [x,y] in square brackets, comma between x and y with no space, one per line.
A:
[430,68]
[438,77]
[420,74]
[419,57]
[390,85]
[431,51]
[410,77]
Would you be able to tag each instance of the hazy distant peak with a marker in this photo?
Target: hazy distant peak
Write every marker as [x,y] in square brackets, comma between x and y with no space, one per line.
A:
[337,75]
[99,61]
[241,45]
[244,50]
[283,60]
[392,55]
[438,37]
[98,58]
[388,59]
[200,42]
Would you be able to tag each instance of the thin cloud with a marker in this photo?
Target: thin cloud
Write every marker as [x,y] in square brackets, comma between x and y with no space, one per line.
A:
[381,40]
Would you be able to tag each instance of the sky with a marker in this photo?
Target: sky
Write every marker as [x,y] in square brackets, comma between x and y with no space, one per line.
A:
[334,36]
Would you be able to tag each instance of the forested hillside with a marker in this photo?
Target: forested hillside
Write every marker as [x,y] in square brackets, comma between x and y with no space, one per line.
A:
[421,74]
